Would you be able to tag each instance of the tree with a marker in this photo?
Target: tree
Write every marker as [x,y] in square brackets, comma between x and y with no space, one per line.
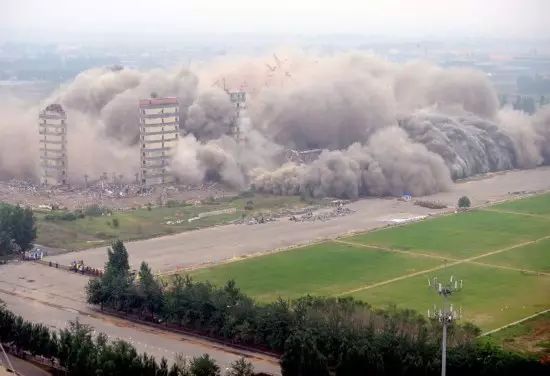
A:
[204,366]
[249,205]
[163,368]
[114,287]
[241,367]
[77,349]
[17,229]
[302,356]
[180,367]
[149,289]
[464,202]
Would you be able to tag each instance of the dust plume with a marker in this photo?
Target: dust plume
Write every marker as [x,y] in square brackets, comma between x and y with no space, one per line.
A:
[384,128]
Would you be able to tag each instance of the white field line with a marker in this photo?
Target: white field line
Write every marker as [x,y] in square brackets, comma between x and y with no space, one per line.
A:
[504,267]
[430,255]
[495,210]
[466,260]
[410,253]
[515,322]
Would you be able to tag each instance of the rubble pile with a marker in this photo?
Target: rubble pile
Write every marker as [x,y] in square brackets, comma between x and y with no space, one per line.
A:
[430,204]
[261,219]
[114,194]
[323,215]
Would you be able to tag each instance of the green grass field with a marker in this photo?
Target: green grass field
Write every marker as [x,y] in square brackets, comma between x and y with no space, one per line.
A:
[143,223]
[502,254]
[531,336]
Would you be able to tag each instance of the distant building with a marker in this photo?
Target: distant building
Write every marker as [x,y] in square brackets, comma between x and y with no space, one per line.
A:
[302,156]
[159,130]
[238,99]
[52,123]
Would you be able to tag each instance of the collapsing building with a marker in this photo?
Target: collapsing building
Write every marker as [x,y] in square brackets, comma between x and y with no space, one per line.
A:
[52,123]
[159,129]
[238,99]
[302,156]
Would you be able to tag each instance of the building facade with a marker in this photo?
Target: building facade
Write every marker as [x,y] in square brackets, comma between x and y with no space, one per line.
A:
[52,124]
[159,131]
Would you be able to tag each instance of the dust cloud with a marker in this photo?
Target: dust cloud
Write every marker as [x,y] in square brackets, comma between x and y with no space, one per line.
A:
[384,128]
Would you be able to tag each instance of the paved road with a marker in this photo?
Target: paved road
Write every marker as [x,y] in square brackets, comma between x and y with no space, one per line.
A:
[55,297]
[23,367]
[212,245]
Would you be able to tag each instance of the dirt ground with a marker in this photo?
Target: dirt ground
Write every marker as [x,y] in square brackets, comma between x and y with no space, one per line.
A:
[113,196]
[225,243]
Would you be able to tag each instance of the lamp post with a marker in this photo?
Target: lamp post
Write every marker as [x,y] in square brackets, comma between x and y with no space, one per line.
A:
[446,314]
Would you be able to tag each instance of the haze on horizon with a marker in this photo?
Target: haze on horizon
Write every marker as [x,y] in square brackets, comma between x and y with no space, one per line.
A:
[60,20]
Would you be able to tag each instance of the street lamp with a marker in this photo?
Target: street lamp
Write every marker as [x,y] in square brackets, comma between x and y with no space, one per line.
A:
[446,314]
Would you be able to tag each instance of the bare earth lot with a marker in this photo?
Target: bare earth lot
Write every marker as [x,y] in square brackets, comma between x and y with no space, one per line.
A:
[213,245]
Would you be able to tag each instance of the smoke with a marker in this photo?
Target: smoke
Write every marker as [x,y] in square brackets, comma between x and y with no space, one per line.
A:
[211,115]
[18,141]
[389,164]
[384,128]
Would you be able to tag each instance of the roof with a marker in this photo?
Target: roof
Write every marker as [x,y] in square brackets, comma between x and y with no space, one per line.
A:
[54,107]
[157,101]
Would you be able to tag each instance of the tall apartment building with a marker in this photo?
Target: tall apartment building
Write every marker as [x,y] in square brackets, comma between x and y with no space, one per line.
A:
[238,99]
[52,125]
[159,130]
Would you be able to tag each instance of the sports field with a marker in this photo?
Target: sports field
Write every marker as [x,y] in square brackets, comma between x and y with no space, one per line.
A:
[502,253]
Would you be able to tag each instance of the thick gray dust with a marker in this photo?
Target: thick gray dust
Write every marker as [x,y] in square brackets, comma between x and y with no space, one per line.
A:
[384,128]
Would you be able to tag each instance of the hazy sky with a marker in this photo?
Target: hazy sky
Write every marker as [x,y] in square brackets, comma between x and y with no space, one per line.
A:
[51,19]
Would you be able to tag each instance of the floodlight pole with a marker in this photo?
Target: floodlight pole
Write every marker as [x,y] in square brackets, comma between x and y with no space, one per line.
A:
[444,348]
[446,315]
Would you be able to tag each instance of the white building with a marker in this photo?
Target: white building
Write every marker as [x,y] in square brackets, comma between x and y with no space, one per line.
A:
[52,124]
[159,129]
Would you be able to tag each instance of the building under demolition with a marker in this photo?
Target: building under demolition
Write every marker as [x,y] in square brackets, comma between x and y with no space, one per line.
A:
[52,123]
[302,156]
[159,129]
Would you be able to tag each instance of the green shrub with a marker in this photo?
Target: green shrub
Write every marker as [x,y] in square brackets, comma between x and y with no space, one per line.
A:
[249,205]
[172,203]
[95,211]
[464,202]
[64,216]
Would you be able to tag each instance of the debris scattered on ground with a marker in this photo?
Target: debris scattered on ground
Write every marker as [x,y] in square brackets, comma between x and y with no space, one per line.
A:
[322,215]
[430,204]
[113,195]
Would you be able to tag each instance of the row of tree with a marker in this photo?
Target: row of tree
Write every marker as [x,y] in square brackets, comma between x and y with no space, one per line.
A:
[79,352]
[315,336]
[17,229]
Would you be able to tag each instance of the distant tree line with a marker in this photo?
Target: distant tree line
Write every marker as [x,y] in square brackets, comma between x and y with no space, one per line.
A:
[78,352]
[533,84]
[525,103]
[314,335]
[17,229]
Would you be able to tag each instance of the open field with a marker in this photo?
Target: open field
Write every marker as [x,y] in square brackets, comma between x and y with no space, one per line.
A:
[190,249]
[502,253]
[142,223]
[53,297]
[531,336]
[312,270]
